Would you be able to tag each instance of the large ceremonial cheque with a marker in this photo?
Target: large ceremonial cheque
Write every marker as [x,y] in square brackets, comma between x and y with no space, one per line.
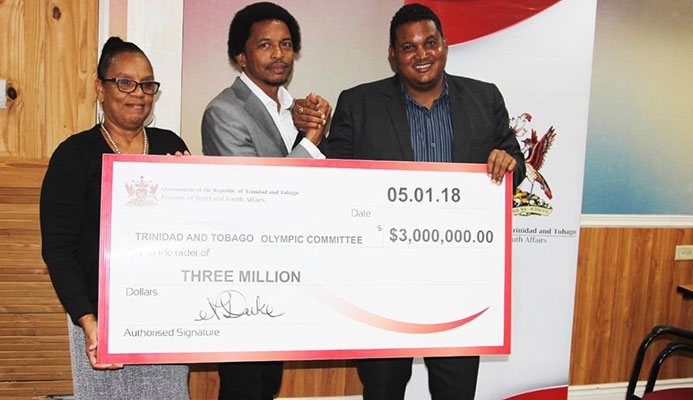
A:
[207,259]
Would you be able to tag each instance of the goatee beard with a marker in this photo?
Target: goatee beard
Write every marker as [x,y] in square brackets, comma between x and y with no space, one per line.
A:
[276,84]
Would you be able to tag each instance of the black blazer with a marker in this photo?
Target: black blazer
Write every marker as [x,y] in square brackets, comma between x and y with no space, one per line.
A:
[370,123]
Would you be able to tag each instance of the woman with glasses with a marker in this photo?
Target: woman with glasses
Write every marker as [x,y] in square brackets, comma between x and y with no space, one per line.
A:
[70,211]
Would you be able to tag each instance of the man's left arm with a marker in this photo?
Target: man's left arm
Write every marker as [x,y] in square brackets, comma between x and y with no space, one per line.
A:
[506,155]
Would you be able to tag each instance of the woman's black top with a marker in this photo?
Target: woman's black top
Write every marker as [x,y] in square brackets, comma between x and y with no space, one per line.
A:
[71,210]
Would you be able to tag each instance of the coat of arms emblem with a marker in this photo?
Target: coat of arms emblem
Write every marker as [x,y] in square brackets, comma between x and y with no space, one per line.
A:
[534,193]
[141,193]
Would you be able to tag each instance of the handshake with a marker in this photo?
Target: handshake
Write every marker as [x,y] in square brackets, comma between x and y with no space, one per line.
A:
[311,116]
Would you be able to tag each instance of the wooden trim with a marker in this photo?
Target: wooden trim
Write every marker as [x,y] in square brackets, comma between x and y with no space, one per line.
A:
[634,221]
[616,391]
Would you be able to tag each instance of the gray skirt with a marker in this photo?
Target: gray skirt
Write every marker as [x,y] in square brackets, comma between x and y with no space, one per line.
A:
[133,382]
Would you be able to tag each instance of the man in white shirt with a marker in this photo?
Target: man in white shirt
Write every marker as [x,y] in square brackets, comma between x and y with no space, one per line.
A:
[252,118]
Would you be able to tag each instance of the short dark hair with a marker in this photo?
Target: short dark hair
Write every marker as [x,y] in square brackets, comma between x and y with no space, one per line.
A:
[412,13]
[242,22]
[113,47]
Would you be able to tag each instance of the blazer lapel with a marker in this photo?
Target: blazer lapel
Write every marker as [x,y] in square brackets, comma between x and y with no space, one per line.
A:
[394,103]
[259,113]
[462,123]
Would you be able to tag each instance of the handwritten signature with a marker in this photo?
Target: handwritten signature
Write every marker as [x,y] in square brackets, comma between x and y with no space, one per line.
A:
[233,304]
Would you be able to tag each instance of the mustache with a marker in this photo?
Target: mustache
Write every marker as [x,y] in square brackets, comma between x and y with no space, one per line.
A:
[278,64]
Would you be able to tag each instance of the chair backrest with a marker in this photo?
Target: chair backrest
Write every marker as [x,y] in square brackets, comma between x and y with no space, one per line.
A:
[640,356]
[669,350]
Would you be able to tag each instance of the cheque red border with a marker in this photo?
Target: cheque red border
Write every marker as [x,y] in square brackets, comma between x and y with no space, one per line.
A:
[200,357]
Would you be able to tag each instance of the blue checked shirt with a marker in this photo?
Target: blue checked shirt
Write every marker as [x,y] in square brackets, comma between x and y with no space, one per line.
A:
[431,130]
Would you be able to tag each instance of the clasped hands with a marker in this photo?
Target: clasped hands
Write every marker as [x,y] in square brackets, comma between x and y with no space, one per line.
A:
[311,116]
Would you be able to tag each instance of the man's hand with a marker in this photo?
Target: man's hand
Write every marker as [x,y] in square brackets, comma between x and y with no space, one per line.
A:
[311,112]
[500,163]
[89,325]
[311,116]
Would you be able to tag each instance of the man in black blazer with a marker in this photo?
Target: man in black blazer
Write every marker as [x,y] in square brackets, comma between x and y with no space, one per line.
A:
[424,114]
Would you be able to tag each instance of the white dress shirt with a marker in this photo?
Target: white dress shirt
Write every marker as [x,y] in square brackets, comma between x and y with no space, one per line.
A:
[282,119]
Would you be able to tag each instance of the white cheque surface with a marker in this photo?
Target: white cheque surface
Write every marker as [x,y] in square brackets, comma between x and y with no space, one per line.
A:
[207,260]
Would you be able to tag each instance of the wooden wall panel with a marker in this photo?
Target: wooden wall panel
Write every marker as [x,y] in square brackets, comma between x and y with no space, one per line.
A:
[22,63]
[34,355]
[626,285]
[72,31]
[320,378]
[48,55]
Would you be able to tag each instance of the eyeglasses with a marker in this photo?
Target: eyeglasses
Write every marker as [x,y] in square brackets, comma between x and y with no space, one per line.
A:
[126,85]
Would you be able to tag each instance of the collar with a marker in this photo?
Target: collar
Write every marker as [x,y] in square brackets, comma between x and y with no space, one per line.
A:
[407,97]
[285,98]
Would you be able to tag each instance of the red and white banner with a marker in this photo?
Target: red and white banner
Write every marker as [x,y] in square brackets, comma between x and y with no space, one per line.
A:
[539,54]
